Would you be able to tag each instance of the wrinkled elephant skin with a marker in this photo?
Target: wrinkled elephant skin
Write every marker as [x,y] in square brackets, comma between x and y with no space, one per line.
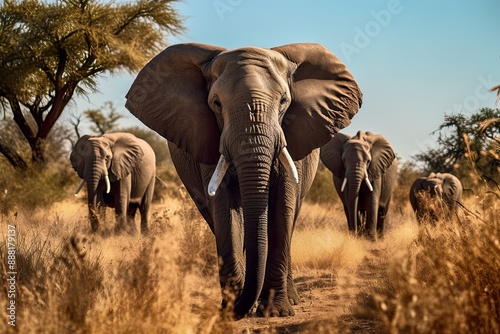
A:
[119,170]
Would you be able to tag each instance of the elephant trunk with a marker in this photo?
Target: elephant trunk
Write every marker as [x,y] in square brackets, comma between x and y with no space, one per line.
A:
[254,187]
[355,177]
[93,176]
[252,153]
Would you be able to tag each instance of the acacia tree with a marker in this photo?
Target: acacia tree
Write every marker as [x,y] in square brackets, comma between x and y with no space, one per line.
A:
[50,51]
[102,122]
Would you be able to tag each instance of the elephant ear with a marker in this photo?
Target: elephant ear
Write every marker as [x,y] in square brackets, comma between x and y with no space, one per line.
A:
[452,187]
[331,154]
[382,155]
[127,154]
[170,96]
[76,157]
[325,97]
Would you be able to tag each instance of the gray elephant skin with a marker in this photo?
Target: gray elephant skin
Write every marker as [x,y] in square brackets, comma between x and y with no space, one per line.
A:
[364,169]
[119,170]
[244,127]
[435,196]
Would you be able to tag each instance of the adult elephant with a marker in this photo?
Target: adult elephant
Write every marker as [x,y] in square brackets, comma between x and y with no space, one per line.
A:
[364,169]
[243,128]
[120,171]
[435,196]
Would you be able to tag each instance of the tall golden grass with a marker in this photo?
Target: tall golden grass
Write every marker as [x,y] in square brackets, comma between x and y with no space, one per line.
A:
[418,279]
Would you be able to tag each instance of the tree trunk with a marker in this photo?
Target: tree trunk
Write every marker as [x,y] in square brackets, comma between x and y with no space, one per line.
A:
[13,157]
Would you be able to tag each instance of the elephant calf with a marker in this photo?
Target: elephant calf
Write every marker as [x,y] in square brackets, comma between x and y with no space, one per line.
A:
[364,169]
[120,171]
[435,196]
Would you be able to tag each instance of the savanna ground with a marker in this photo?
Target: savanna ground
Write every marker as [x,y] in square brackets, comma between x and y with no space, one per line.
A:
[418,279]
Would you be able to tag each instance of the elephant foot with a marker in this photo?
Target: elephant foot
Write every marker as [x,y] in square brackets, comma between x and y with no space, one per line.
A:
[277,307]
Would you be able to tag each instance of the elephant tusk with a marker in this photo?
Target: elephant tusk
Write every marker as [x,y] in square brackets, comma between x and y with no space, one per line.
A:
[79,187]
[218,175]
[287,162]
[368,183]
[343,185]
[108,185]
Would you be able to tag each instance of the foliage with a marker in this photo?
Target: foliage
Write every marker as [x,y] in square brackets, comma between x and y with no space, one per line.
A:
[465,144]
[408,172]
[322,190]
[101,122]
[51,50]
[35,189]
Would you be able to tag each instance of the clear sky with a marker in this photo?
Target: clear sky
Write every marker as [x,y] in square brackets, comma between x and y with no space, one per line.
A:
[413,60]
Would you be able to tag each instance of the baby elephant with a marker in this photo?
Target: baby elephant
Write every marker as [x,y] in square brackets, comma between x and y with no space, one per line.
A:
[435,196]
[119,170]
[364,169]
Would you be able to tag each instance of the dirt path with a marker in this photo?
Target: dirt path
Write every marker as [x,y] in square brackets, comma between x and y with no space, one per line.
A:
[326,302]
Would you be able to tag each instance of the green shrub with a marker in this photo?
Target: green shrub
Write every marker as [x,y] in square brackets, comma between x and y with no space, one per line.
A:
[34,189]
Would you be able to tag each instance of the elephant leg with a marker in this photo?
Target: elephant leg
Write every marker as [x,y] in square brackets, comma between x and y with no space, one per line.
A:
[131,211]
[228,231]
[122,200]
[382,214]
[145,205]
[293,293]
[372,210]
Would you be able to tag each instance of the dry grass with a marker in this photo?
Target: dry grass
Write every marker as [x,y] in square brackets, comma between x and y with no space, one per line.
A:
[419,279]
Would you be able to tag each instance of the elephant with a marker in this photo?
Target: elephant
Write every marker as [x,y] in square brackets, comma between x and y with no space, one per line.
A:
[120,171]
[435,196]
[364,169]
[244,127]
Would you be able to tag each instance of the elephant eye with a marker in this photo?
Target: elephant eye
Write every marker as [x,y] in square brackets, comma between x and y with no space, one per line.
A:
[283,100]
[217,103]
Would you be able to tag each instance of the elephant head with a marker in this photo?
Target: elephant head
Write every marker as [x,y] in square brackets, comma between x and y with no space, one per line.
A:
[102,160]
[246,107]
[354,160]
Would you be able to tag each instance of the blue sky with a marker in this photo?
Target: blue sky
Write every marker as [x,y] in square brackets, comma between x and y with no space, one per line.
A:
[413,60]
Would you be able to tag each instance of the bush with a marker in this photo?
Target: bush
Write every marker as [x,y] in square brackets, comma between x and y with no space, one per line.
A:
[447,281]
[34,189]
[322,190]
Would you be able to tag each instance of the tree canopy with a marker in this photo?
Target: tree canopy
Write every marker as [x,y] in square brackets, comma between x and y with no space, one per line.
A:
[466,140]
[51,50]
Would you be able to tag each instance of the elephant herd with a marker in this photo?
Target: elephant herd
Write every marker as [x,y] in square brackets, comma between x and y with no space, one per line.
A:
[364,169]
[246,129]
